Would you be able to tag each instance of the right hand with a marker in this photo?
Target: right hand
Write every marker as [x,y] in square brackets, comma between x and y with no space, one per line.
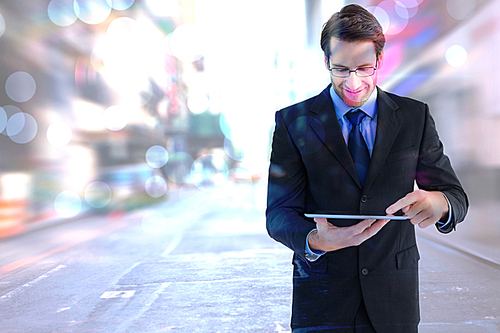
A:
[331,238]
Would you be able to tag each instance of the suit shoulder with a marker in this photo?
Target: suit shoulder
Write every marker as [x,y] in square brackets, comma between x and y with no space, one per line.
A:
[403,100]
[297,109]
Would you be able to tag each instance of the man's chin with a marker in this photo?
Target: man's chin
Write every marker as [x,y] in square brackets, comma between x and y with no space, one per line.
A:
[352,104]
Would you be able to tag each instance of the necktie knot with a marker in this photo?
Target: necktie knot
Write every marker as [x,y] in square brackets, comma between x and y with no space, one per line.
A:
[355,117]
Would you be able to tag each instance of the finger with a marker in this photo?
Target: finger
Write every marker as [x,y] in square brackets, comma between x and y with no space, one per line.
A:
[322,224]
[425,223]
[406,209]
[370,231]
[421,216]
[359,227]
[417,209]
[401,203]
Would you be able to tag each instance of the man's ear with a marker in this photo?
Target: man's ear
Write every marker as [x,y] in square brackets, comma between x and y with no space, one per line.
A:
[380,60]
[326,62]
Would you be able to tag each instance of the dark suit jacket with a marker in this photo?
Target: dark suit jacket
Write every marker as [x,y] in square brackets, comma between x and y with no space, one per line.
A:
[312,171]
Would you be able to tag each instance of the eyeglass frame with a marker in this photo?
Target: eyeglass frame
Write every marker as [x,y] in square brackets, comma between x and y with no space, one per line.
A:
[354,71]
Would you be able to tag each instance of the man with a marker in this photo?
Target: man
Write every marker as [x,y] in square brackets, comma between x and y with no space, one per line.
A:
[356,149]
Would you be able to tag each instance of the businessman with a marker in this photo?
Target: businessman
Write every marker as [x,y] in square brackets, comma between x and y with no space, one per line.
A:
[356,149]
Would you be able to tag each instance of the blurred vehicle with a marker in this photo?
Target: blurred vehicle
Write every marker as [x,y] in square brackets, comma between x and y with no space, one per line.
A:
[133,186]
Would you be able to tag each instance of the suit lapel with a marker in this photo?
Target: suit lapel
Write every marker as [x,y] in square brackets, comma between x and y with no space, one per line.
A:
[388,125]
[324,111]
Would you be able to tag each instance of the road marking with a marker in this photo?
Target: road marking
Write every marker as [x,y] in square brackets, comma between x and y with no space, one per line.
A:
[25,261]
[118,294]
[63,309]
[149,301]
[31,283]
[177,239]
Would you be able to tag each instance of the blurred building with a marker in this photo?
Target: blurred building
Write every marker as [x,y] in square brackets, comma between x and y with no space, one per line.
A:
[105,100]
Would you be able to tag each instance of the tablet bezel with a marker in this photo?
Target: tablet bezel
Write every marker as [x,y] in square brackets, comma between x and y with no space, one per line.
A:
[356,217]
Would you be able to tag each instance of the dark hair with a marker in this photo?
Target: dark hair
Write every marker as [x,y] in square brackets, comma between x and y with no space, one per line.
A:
[353,24]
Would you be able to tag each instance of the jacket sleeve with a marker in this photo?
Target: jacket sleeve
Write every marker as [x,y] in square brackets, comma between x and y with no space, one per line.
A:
[435,173]
[286,193]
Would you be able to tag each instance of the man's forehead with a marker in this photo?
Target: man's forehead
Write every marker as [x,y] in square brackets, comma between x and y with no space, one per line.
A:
[350,53]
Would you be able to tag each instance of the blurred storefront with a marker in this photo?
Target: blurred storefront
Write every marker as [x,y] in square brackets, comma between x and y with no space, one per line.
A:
[91,88]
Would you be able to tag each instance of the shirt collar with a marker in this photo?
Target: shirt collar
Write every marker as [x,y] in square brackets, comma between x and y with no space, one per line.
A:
[370,106]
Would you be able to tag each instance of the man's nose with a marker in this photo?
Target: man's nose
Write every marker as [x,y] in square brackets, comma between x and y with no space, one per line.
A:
[353,81]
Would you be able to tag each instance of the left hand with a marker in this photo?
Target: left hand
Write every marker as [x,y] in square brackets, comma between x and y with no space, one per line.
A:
[423,208]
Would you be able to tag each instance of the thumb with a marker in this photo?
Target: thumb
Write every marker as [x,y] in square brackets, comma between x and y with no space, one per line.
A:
[320,220]
[322,223]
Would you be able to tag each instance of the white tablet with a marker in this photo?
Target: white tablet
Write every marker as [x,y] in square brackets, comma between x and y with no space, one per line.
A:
[357,217]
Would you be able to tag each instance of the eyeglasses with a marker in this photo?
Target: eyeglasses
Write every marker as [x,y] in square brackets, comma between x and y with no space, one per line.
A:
[345,72]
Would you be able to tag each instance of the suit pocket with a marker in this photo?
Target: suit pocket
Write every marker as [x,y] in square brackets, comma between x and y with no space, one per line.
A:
[407,258]
[401,155]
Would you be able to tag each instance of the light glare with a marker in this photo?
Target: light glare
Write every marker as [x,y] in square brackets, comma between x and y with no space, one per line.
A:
[456,55]
[59,134]
[67,204]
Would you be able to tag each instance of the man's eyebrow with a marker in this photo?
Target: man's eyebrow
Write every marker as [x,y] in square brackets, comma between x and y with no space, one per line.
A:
[368,64]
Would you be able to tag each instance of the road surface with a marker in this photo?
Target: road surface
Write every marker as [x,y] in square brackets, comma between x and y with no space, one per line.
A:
[200,262]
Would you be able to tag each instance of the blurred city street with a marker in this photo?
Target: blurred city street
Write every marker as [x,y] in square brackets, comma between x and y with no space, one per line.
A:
[135,144]
[201,262]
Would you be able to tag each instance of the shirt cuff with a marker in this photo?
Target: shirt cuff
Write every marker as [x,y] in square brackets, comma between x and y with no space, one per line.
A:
[444,225]
[312,255]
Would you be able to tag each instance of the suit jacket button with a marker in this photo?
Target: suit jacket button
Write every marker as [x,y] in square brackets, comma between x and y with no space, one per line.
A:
[364,199]
[364,271]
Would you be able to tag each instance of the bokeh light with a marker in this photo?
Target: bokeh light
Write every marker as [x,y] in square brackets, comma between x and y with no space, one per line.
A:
[9,111]
[187,42]
[163,7]
[127,57]
[198,103]
[393,16]
[59,134]
[3,119]
[225,125]
[98,194]
[456,55]
[92,11]
[154,223]
[156,186]
[156,156]
[115,117]
[209,173]
[236,153]
[68,204]
[381,15]
[21,128]
[122,4]
[20,87]
[62,12]
[2,25]
[460,9]
[410,8]
[178,167]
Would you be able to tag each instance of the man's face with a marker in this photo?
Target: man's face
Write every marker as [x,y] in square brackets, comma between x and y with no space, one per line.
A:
[353,90]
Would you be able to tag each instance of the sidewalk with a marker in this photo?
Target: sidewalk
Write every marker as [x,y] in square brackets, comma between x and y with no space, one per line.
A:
[477,235]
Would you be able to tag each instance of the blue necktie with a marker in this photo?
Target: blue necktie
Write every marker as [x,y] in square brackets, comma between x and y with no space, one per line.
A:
[357,145]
